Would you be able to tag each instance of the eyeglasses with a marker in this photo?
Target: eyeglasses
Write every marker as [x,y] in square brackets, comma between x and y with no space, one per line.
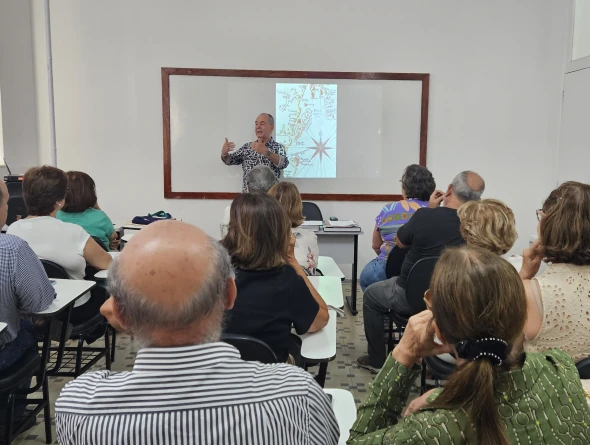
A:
[428,299]
[540,214]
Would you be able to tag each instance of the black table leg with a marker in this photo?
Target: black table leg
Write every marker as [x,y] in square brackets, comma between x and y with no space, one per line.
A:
[352,299]
[321,376]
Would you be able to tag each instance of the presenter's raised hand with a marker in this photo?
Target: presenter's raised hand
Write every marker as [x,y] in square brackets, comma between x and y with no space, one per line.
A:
[259,147]
[227,147]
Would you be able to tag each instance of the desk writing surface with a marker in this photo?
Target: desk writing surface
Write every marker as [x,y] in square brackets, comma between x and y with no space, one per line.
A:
[339,233]
[67,291]
[345,411]
[104,274]
[2,326]
[321,345]
[330,289]
[329,267]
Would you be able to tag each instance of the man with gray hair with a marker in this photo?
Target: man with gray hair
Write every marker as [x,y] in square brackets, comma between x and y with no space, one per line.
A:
[427,234]
[170,287]
[263,151]
[260,179]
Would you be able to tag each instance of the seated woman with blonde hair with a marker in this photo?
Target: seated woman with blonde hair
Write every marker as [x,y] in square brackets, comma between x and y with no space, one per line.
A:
[558,299]
[498,395]
[274,293]
[306,241]
[489,224]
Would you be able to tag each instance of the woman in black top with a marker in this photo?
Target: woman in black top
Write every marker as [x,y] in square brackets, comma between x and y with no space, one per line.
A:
[274,294]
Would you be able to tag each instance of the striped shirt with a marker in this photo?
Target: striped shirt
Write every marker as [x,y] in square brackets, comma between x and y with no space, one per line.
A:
[203,394]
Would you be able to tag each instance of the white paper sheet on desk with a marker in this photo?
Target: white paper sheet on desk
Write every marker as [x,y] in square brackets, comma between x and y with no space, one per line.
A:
[312,223]
[343,223]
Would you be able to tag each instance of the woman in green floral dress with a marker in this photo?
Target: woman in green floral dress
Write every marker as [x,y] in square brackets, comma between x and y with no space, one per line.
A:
[498,395]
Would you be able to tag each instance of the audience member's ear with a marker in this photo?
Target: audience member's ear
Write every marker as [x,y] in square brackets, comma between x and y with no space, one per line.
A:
[112,312]
[449,191]
[232,292]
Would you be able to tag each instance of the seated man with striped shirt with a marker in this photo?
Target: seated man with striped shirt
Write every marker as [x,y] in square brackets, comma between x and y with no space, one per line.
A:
[170,287]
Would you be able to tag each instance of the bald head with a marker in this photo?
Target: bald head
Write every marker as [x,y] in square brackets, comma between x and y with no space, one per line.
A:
[170,276]
[468,186]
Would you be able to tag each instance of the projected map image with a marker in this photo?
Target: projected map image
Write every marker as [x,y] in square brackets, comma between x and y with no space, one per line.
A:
[306,126]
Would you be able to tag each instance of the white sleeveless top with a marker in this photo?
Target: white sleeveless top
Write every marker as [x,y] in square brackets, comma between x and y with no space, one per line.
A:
[563,297]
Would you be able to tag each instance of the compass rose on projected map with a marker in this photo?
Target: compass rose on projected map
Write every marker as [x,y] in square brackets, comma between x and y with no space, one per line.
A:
[320,148]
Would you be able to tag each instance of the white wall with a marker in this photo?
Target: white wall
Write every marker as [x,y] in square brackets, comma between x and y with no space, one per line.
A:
[19,121]
[497,70]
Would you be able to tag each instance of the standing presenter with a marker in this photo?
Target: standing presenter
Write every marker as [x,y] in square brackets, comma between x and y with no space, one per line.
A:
[265,150]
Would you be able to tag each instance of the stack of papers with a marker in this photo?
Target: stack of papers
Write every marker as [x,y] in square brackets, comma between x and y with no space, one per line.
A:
[312,225]
[342,226]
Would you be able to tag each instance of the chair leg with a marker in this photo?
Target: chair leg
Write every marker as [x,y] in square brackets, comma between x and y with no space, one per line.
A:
[79,356]
[8,418]
[113,343]
[47,411]
[107,349]
[390,335]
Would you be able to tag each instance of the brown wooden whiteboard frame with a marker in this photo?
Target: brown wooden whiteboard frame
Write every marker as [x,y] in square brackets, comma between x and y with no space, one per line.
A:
[167,72]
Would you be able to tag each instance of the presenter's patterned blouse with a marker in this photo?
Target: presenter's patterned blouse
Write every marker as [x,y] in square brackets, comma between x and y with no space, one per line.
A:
[249,159]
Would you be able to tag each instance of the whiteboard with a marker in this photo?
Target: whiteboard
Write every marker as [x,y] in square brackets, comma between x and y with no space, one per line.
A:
[378,131]
[574,144]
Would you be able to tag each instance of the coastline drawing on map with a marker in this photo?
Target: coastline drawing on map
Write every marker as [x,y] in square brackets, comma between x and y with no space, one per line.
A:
[306,125]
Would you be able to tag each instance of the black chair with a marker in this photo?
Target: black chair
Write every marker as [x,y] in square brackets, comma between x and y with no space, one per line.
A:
[251,349]
[100,243]
[81,332]
[11,381]
[418,283]
[584,368]
[393,266]
[440,369]
[394,333]
[54,270]
[311,211]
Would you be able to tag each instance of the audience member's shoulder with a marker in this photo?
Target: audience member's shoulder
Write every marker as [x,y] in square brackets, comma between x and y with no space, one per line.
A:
[11,242]
[559,358]
[86,383]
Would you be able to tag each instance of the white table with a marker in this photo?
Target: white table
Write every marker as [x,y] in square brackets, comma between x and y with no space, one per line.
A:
[127,238]
[329,268]
[104,274]
[344,410]
[2,326]
[320,347]
[68,291]
[330,289]
[336,245]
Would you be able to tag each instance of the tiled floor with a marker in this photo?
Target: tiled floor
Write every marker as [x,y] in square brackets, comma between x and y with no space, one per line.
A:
[342,372]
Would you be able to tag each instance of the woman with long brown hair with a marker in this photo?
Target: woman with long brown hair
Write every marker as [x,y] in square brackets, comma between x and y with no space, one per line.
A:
[558,303]
[498,395]
[274,294]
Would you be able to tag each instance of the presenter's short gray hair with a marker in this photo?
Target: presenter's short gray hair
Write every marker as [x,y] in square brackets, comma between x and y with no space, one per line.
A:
[463,190]
[260,179]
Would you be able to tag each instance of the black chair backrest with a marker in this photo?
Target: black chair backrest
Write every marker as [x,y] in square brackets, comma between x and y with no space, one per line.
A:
[16,204]
[100,243]
[584,368]
[54,270]
[311,211]
[393,266]
[419,282]
[251,349]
